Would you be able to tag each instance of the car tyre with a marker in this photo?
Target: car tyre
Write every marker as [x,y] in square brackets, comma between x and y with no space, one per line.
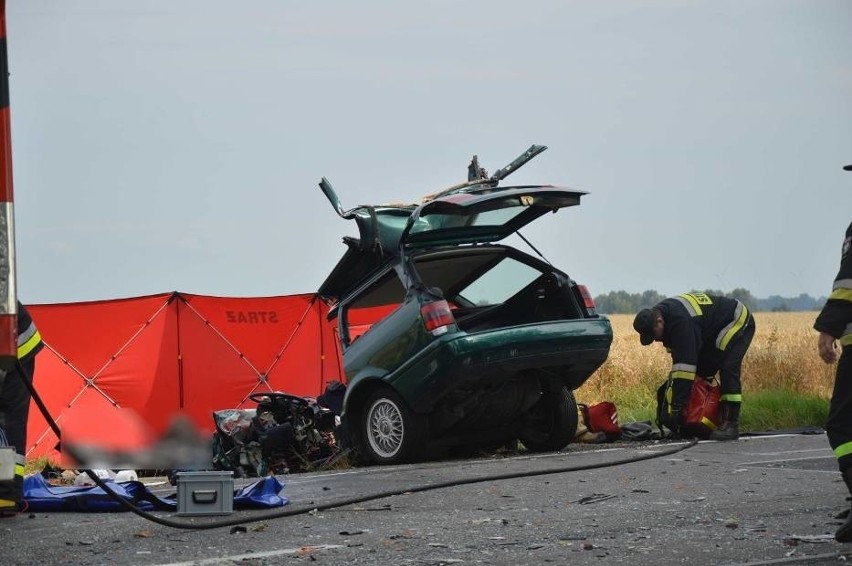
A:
[389,431]
[552,423]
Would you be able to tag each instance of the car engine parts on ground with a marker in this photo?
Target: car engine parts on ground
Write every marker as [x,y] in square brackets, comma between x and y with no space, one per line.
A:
[284,433]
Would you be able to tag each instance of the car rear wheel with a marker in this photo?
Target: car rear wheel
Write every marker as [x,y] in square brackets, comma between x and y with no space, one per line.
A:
[390,432]
[552,423]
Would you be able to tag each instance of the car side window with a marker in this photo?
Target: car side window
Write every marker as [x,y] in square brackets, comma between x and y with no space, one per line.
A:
[376,302]
[500,282]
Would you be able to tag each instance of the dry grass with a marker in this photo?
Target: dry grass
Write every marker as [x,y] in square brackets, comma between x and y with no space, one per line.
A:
[783,357]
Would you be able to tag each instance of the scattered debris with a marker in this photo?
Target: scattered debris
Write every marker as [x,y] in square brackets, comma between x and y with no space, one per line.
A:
[594,498]
[794,540]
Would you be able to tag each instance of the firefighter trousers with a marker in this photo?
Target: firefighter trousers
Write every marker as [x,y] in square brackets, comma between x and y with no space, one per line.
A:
[839,424]
[728,363]
[15,404]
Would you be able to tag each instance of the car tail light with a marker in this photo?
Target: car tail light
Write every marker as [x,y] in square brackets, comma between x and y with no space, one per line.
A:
[437,316]
[588,301]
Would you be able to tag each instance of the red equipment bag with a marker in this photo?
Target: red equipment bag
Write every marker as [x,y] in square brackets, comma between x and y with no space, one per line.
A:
[701,414]
[602,417]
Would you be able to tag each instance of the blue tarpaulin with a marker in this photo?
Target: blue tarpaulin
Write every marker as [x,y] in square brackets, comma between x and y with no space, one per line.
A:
[41,496]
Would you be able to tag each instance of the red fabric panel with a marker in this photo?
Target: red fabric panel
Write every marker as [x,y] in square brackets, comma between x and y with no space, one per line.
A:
[227,344]
[57,385]
[118,429]
[299,369]
[103,326]
[169,353]
[123,352]
[332,355]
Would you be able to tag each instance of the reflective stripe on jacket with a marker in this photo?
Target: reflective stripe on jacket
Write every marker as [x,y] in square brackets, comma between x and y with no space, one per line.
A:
[836,316]
[29,339]
[693,319]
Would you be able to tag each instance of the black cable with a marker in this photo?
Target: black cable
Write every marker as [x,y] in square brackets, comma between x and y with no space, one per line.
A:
[35,396]
[343,502]
[390,493]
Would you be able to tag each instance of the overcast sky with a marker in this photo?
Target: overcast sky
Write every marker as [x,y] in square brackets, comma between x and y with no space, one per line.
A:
[177,145]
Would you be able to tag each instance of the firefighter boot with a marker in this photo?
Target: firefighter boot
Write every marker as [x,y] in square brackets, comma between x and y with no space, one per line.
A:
[730,428]
[844,533]
[11,480]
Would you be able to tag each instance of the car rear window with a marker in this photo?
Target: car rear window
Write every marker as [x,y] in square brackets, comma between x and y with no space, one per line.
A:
[499,283]
[496,217]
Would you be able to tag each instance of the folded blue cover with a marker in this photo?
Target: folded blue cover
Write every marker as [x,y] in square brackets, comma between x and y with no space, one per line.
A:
[41,496]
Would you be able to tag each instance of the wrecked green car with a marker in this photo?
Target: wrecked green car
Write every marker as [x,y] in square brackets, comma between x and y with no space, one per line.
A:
[451,339]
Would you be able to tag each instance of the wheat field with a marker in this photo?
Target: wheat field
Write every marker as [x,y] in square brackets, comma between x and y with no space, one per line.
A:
[783,356]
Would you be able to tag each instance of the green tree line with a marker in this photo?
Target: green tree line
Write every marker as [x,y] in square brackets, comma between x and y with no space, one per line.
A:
[622,302]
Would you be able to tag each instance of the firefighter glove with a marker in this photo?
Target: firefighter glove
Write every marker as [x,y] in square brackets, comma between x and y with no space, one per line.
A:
[681,391]
[674,420]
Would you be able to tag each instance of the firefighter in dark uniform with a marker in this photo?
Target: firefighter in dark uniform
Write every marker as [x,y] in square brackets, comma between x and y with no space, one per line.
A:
[705,334]
[15,406]
[834,324]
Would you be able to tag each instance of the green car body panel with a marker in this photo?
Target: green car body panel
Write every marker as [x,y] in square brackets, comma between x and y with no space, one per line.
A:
[423,372]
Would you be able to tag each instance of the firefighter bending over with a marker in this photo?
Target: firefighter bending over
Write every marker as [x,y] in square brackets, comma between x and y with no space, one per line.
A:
[834,324]
[705,334]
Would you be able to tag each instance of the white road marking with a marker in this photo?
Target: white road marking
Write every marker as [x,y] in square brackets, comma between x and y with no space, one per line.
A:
[306,550]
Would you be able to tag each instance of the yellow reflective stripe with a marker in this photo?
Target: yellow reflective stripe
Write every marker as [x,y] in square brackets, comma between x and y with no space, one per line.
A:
[846,340]
[687,375]
[843,450]
[731,397]
[7,503]
[841,295]
[29,345]
[729,331]
[27,333]
[691,304]
[708,423]
[19,469]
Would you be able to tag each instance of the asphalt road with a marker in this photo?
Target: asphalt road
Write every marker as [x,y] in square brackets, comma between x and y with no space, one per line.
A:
[761,500]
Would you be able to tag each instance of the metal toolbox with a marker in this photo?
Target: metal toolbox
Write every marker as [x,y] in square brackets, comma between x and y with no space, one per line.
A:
[205,493]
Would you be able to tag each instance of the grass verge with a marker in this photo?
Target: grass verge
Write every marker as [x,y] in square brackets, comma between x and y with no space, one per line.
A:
[761,410]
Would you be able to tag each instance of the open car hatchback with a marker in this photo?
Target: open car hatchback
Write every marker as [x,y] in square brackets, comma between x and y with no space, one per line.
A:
[452,339]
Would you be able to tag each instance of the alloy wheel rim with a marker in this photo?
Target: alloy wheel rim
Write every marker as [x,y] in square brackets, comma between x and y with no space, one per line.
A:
[385,428]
